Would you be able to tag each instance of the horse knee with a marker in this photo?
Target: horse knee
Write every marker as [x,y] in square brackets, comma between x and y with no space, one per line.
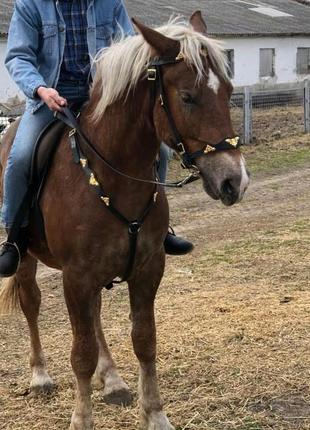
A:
[144,347]
[84,356]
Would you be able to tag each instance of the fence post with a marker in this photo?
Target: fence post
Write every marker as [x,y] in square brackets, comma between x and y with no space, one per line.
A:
[247,116]
[307,106]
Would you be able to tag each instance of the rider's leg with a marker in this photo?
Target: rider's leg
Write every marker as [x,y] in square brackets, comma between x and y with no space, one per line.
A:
[174,245]
[16,179]
[163,161]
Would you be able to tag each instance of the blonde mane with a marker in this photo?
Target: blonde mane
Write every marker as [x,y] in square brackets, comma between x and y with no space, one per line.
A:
[120,66]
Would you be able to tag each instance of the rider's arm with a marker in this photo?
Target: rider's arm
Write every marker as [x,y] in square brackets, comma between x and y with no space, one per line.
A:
[22,49]
[122,22]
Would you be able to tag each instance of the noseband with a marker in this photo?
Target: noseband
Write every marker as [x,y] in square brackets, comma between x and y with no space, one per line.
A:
[154,74]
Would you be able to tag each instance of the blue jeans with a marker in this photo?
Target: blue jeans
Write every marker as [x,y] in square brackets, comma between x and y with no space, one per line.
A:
[19,162]
[162,167]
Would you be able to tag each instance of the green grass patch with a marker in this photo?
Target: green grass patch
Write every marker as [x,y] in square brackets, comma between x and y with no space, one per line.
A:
[266,244]
[251,425]
[301,226]
[266,160]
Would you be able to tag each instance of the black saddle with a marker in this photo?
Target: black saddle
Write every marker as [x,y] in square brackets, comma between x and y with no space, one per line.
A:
[42,157]
[43,153]
[46,146]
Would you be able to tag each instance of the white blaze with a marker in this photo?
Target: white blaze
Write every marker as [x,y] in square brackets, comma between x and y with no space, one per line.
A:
[213,81]
[244,178]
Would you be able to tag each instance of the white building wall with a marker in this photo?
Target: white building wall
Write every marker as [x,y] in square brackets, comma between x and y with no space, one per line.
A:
[246,51]
[247,59]
[7,86]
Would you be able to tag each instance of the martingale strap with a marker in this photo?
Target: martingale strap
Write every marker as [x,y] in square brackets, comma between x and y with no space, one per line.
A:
[134,226]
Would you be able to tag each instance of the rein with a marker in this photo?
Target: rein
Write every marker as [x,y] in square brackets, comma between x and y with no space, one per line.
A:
[68,117]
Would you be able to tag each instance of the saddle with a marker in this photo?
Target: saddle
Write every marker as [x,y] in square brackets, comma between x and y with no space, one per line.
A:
[44,151]
[42,157]
[46,146]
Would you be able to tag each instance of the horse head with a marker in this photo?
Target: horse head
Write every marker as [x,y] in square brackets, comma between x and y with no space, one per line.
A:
[195,89]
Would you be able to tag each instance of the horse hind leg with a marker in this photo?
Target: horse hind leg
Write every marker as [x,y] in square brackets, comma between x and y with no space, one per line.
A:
[115,391]
[22,289]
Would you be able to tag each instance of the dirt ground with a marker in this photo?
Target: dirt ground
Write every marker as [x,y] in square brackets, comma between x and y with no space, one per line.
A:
[233,318]
[271,122]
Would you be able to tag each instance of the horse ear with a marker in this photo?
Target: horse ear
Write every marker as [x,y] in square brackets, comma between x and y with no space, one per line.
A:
[198,23]
[161,44]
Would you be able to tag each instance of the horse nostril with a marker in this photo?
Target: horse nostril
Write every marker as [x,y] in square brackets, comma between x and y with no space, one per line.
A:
[229,193]
[227,188]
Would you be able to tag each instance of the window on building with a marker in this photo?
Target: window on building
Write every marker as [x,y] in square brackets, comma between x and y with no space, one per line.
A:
[303,61]
[230,54]
[266,62]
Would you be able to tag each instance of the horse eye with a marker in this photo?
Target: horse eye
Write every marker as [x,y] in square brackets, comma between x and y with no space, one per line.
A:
[187,98]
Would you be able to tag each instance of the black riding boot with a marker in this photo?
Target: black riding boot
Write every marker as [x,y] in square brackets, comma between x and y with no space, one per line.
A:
[12,253]
[176,245]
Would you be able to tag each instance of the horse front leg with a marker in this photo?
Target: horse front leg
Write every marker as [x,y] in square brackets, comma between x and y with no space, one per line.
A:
[142,291]
[115,391]
[81,299]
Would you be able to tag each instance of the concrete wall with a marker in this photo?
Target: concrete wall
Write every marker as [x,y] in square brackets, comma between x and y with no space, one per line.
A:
[247,59]
[7,87]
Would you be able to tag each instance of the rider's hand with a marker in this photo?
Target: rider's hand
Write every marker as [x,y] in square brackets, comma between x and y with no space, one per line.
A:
[52,98]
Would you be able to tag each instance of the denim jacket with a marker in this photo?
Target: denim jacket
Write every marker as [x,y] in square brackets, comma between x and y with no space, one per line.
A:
[37,39]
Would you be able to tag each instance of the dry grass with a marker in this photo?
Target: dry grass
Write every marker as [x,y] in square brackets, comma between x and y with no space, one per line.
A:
[233,319]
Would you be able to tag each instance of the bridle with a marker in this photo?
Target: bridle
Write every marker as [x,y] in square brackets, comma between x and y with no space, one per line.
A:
[154,74]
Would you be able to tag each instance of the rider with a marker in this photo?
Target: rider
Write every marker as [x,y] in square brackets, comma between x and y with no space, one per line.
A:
[50,46]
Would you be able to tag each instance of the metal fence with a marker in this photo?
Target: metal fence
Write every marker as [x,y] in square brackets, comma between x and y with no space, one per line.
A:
[259,116]
[4,122]
[9,111]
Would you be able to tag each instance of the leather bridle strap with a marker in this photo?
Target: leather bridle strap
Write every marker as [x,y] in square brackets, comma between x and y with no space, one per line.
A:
[155,75]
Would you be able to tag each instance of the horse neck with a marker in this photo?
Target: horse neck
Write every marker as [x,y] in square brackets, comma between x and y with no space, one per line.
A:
[125,135]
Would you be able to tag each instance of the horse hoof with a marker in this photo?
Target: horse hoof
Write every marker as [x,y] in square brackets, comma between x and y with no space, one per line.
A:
[155,421]
[121,397]
[37,390]
[83,426]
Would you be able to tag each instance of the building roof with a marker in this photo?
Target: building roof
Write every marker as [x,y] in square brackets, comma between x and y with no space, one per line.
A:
[225,18]
[230,18]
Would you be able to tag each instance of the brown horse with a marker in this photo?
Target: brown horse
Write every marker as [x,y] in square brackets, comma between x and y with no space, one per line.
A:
[125,122]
